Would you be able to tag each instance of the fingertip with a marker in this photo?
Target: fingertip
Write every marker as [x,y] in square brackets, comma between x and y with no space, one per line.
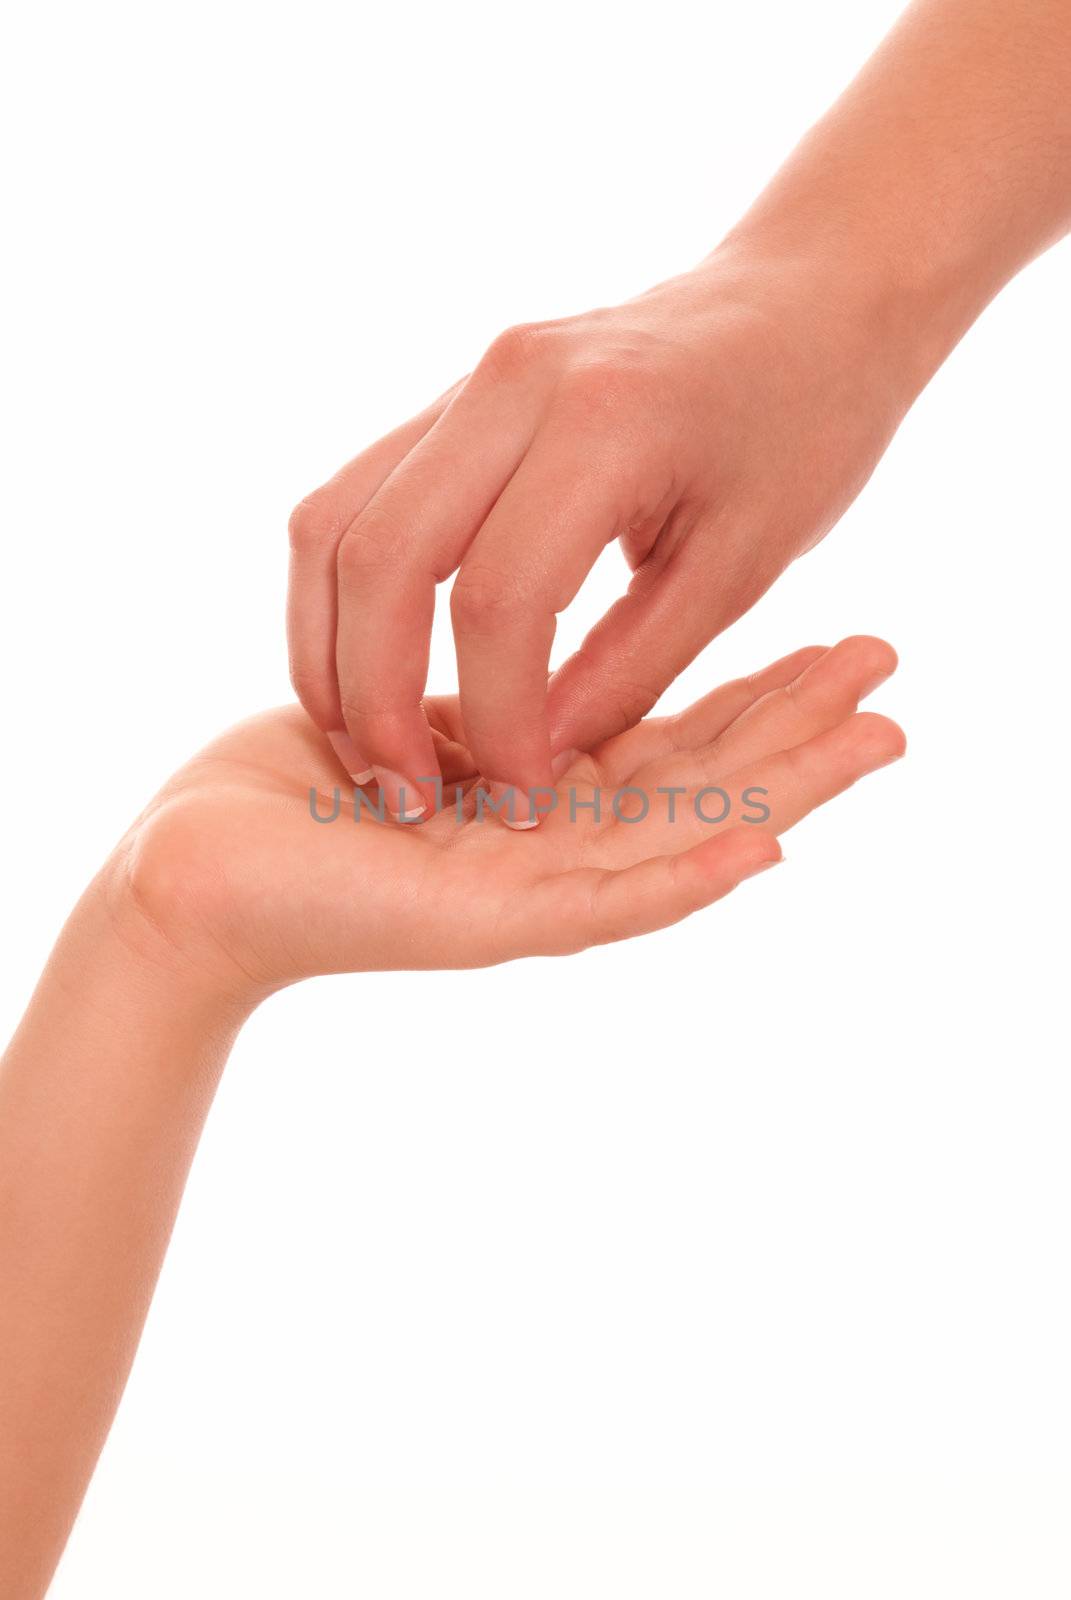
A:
[405,798]
[761,866]
[761,850]
[398,749]
[350,757]
[882,740]
[877,657]
[515,807]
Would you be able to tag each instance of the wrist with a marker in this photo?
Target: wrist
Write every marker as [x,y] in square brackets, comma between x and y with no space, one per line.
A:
[117,945]
[917,295]
[846,289]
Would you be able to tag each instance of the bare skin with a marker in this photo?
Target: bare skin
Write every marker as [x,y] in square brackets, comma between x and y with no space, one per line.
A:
[224,891]
[717,425]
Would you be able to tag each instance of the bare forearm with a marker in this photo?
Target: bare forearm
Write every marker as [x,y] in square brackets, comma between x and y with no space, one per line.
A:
[103,1093]
[943,169]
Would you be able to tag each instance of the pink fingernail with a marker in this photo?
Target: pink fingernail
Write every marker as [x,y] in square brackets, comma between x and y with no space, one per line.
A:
[350,756]
[402,795]
[514,806]
[763,866]
[563,761]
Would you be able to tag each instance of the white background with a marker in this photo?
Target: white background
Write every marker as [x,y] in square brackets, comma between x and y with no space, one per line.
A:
[731,1263]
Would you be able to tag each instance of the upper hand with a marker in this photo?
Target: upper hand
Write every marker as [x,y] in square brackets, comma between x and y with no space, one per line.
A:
[717,426]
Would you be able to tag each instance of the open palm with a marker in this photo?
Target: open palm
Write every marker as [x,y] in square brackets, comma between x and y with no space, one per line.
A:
[230,860]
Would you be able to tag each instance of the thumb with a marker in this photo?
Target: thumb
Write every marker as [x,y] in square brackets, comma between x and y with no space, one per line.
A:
[643,642]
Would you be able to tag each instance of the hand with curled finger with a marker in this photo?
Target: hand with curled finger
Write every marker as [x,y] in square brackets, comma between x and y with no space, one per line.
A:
[716,426]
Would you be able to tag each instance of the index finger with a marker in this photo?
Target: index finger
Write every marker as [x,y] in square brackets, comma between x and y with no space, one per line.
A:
[526,564]
[408,539]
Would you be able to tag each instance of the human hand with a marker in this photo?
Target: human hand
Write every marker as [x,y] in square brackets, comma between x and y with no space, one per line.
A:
[225,889]
[717,426]
[246,889]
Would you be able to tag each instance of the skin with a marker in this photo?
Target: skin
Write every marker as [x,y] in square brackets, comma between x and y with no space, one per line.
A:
[717,425]
[223,891]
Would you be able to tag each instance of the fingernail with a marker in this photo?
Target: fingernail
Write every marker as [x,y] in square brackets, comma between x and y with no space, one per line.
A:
[350,757]
[763,866]
[563,761]
[515,806]
[402,796]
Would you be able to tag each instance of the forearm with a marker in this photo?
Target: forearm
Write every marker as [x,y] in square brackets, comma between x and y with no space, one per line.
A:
[943,169]
[103,1093]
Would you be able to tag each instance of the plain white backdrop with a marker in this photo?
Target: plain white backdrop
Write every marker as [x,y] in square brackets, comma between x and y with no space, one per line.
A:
[732,1263]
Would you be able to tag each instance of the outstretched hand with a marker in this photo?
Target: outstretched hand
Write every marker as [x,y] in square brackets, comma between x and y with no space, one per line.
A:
[229,863]
[226,888]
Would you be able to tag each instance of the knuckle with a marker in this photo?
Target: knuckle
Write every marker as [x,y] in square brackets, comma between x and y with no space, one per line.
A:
[597,387]
[353,712]
[369,723]
[379,716]
[368,549]
[483,599]
[311,525]
[514,350]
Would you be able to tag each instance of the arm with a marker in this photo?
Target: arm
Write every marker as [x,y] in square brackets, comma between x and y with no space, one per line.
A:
[226,890]
[718,425]
[942,171]
[103,1093]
